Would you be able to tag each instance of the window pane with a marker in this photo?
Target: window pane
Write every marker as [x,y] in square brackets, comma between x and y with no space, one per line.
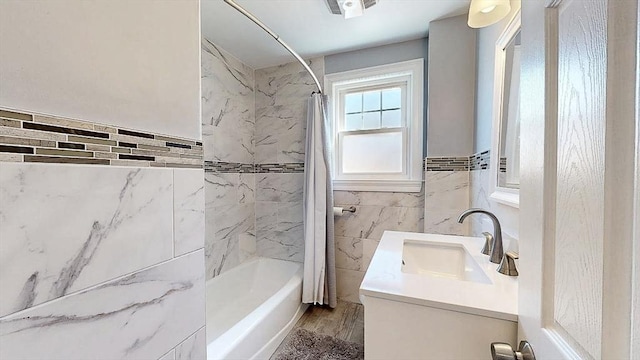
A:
[371,100]
[353,103]
[372,153]
[353,122]
[371,120]
[391,99]
[391,118]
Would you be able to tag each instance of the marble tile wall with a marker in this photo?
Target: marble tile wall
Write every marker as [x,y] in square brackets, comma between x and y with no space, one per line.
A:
[279,221]
[231,217]
[100,261]
[450,188]
[228,107]
[446,196]
[479,196]
[357,234]
[281,114]
[253,138]
[281,111]
[228,127]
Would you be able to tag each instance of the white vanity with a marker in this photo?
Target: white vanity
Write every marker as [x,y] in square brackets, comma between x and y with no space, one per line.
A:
[429,296]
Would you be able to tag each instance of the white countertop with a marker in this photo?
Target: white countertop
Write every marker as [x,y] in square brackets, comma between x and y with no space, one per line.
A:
[385,279]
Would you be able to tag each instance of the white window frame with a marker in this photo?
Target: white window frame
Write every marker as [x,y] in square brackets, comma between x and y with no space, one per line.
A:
[407,74]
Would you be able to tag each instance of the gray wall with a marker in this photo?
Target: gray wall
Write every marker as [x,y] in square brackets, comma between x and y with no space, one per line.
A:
[382,55]
[483,121]
[452,70]
[480,179]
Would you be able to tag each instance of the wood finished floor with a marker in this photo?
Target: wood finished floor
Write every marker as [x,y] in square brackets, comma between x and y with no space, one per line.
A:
[345,322]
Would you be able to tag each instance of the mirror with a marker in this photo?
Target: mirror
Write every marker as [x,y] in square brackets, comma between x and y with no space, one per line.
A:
[509,166]
[505,152]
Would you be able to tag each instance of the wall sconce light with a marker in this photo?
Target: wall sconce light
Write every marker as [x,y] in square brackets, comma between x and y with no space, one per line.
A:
[487,12]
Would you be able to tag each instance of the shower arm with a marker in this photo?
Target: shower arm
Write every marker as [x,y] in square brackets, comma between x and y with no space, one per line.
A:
[277,37]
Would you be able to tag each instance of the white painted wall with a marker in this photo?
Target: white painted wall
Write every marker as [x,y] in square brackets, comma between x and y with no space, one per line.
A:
[134,64]
[452,59]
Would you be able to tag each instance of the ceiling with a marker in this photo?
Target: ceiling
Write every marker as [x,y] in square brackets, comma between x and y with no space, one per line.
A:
[311,30]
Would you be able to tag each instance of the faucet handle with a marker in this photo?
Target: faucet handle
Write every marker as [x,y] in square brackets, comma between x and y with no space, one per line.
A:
[488,243]
[508,264]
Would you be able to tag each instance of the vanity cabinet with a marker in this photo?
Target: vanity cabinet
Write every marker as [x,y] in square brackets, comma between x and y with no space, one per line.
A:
[400,330]
[431,296]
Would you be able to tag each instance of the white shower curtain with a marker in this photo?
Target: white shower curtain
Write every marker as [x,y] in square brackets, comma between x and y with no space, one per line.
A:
[319,282]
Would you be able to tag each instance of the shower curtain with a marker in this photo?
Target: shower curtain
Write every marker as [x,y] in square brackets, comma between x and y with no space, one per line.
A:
[319,282]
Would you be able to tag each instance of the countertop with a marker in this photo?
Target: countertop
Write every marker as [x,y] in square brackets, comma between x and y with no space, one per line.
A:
[385,279]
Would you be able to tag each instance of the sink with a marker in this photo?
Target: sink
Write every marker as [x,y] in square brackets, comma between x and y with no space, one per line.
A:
[446,289]
[441,260]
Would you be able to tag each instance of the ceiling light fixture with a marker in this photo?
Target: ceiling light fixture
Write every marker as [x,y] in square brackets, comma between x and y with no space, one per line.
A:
[352,8]
[349,8]
[488,9]
[487,12]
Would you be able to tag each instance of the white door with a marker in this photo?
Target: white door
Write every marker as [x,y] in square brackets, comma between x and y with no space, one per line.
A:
[579,198]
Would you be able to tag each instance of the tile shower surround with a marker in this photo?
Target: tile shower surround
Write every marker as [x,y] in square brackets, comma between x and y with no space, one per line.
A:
[228,126]
[33,138]
[239,225]
[228,107]
[253,135]
[282,93]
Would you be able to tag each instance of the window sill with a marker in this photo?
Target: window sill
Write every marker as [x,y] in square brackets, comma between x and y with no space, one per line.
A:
[378,185]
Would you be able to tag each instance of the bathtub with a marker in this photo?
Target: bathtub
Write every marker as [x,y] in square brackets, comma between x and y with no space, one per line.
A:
[251,308]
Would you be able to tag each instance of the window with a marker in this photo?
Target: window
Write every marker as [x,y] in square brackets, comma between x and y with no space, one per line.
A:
[377,127]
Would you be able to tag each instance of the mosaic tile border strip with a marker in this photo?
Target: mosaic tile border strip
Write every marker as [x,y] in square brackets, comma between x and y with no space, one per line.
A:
[28,137]
[480,161]
[231,167]
[280,168]
[451,163]
[228,167]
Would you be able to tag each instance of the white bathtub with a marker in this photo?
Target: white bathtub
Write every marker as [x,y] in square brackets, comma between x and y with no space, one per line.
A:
[251,308]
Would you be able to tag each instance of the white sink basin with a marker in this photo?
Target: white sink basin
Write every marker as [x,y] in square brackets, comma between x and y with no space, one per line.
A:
[441,260]
[444,272]
[446,289]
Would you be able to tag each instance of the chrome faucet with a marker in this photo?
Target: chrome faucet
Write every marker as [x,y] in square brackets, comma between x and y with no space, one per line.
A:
[496,250]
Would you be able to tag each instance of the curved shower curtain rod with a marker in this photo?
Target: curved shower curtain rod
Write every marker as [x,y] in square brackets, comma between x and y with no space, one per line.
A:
[277,37]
